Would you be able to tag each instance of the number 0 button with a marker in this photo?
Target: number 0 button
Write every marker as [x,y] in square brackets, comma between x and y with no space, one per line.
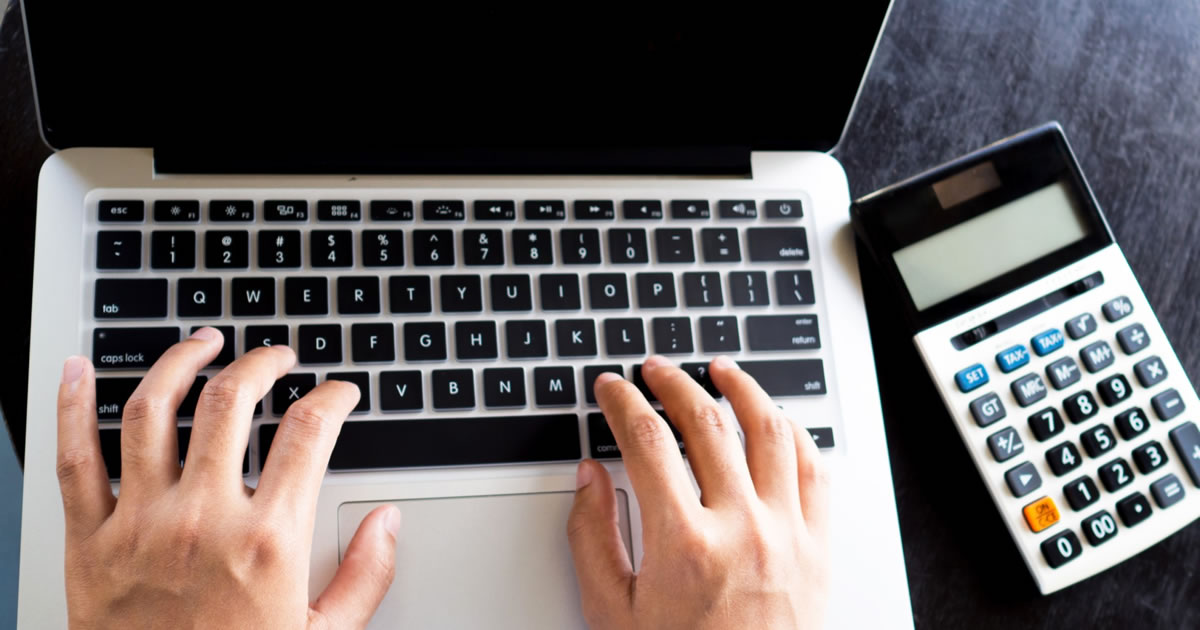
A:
[1061,549]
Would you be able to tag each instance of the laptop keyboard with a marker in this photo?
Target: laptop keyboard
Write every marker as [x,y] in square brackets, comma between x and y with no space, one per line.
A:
[473,328]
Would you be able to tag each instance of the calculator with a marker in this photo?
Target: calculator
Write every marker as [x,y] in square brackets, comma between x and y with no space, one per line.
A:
[1056,372]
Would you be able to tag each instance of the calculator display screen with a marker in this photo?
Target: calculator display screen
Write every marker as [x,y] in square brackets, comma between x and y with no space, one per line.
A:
[996,242]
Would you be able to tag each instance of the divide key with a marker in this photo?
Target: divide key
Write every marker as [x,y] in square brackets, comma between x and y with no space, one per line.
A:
[126,348]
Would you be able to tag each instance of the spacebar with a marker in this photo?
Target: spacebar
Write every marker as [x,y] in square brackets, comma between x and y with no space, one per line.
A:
[369,444]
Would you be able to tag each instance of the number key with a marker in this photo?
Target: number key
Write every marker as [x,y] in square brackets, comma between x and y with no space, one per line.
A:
[1080,407]
[279,248]
[382,248]
[1063,458]
[227,249]
[532,247]
[1132,423]
[1081,493]
[628,246]
[433,248]
[331,248]
[1098,441]
[1116,474]
[1113,389]
[483,247]
[1149,457]
[173,250]
[1099,528]
[1046,424]
[580,247]
[1061,549]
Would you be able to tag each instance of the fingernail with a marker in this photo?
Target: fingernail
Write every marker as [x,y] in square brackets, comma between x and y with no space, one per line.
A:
[655,361]
[726,362]
[391,521]
[583,475]
[208,333]
[72,369]
[606,377]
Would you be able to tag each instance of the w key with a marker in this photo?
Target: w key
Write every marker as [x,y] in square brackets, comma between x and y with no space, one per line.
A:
[132,298]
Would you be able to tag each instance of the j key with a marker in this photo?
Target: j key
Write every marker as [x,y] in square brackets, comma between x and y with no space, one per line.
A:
[576,337]
[279,248]
[112,211]
[358,295]
[1116,474]
[305,296]
[290,388]
[685,209]
[1028,389]
[1168,404]
[784,209]
[1096,356]
[777,243]
[265,336]
[1005,444]
[447,210]
[129,348]
[1080,407]
[590,372]
[1061,549]
[401,391]
[319,343]
[554,386]
[177,211]
[594,210]
[372,343]
[513,292]
[1098,440]
[526,339]
[628,246]
[1167,491]
[383,248]
[1132,338]
[383,210]
[699,373]
[656,290]
[253,297]
[363,381]
[230,210]
[1063,373]
[332,248]
[782,332]
[294,210]
[1099,528]
[624,337]
[748,288]
[132,298]
[1080,326]
[495,210]
[720,245]
[719,335]
[1046,424]
[111,394]
[1081,493]
[987,409]
[1132,423]
[1149,457]
[199,297]
[424,341]
[1114,389]
[545,210]
[339,210]
[1134,509]
[532,247]
[483,247]
[634,210]
[560,292]
[118,250]
[453,389]
[609,291]
[227,249]
[737,209]
[475,341]
[672,335]
[580,247]
[794,288]
[1117,308]
[674,245]
[503,387]
[461,294]
[792,377]
[410,294]
[173,250]
[433,248]
[1186,439]
[702,288]
[1150,372]
[1063,458]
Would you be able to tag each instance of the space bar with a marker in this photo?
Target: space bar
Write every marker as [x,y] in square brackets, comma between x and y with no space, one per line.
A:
[371,444]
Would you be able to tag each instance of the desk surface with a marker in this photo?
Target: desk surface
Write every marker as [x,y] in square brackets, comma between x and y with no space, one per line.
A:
[949,76]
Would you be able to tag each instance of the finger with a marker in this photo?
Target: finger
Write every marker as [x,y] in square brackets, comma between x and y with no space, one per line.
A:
[602,564]
[224,412]
[299,454]
[87,496]
[149,448]
[813,477]
[709,434]
[649,450]
[367,571]
[770,439]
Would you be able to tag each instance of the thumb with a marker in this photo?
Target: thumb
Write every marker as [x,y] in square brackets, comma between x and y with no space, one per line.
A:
[366,573]
[602,565]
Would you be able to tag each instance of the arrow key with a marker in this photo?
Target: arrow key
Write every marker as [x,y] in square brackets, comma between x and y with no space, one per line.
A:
[1023,479]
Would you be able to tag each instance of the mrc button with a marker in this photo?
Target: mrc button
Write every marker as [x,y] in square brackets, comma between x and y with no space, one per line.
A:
[987,409]
[1028,389]
[1012,358]
[971,378]
[1047,342]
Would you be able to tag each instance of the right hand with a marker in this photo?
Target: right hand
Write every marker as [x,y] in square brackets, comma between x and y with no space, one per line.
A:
[751,552]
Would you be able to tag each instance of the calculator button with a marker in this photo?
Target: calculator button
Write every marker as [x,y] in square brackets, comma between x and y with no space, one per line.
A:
[1061,549]
[1150,372]
[1041,514]
[1114,389]
[1098,441]
[1099,528]
[1023,479]
[1149,457]
[1167,491]
[1028,389]
[1116,474]
[1116,309]
[1186,439]
[1080,406]
[1080,326]
[987,409]
[1005,444]
[1046,424]
[1063,373]
[1047,342]
[1132,423]
[1132,338]
[1168,404]
[971,378]
[1063,458]
[1134,509]
[1081,493]
[1096,356]
[1012,358]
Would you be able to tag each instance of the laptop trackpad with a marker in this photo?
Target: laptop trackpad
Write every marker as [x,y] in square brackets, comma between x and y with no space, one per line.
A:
[475,562]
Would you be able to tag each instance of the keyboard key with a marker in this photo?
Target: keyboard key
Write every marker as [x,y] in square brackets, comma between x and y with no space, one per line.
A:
[1061,549]
[433,248]
[1023,479]
[332,248]
[794,288]
[1005,444]
[265,336]
[821,436]
[560,292]
[1081,493]
[628,246]
[554,386]
[279,248]
[453,389]
[526,339]
[295,210]
[1096,356]
[483,247]
[1116,474]
[672,335]
[576,337]
[495,210]
[674,245]
[290,388]
[693,209]
[971,378]
[1134,509]
[590,372]
[131,298]
[401,391]
[199,297]
[594,210]
[372,343]
[987,409]
[461,294]
[383,248]
[225,210]
[1186,438]
[384,210]
[1167,491]
[782,332]
[130,348]
[1080,407]
[744,209]
[699,373]
[580,247]
[1012,358]
[702,288]
[1132,423]
[173,250]
[1080,326]
[784,209]
[180,211]
[118,250]
[545,210]
[112,211]
[608,291]
[1149,457]
[319,343]
[1168,404]
[339,210]
[445,210]
[475,341]
[532,247]
[1041,514]
[624,337]
[111,395]
[1063,458]
[656,290]
[777,244]
[791,377]
[1150,372]
[720,245]
[636,210]
[1028,389]
[513,292]
[1099,528]
[410,294]
[305,296]
[640,382]
[425,341]
[1063,373]
[1047,342]
[1132,338]
[253,297]
[1117,308]
[227,249]
[748,288]
[362,380]
[1114,389]
[1046,423]
[503,387]
[1098,440]
[719,335]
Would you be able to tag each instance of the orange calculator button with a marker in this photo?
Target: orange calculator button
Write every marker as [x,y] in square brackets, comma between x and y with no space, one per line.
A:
[1041,514]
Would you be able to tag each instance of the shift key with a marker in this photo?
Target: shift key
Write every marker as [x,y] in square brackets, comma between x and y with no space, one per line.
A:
[790,377]
[131,348]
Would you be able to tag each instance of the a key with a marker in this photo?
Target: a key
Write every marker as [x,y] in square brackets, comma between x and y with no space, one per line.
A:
[290,388]
[719,335]
[672,335]
[624,336]
[777,244]
[1061,549]
[636,210]
[580,247]
[453,389]
[272,335]
[360,379]
[372,343]
[394,210]
[498,210]
[604,445]
[720,245]
[1096,356]
[699,373]
[475,341]
[173,250]
[1117,308]
[424,341]
[461,293]
[433,248]
[554,386]
[702,288]
[532,247]
[737,209]
[401,391]
[331,248]
[674,245]
[1080,407]
[199,297]
[608,291]
[1168,404]
[1099,528]
[1134,509]
[789,377]
[794,288]
[1150,372]
[1186,438]
[503,387]
[594,210]
[305,296]
[347,210]
[784,209]
[1080,326]
[1114,389]
[1167,491]
[987,409]
[1063,373]
[513,292]
[253,297]
[383,248]
[575,337]
[227,249]
[230,210]
[590,372]
[131,298]
[545,210]
[1132,338]
[358,295]
[443,210]
[1023,479]
[130,348]
[782,332]
[118,249]
[410,294]
[483,247]
[526,339]
[628,246]
[1046,424]
[319,343]
[1116,474]
[1063,458]
[689,209]
[1081,493]
[560,292]
[279,249]
[655,290]
[1098,440]
[1149,457]
[285,210]
[1028,389]
[176,211]
[1132,423]
[748,288]
[115,211]
[111,395]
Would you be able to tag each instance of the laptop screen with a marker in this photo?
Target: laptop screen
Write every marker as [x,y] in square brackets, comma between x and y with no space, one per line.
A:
[579,76]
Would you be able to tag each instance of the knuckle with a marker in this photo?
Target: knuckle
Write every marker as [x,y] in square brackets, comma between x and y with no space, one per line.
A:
[224,392]
[646,431]
[141,406]
[709,418]
[775,428]
[813,471]
[305,419]
[74,463]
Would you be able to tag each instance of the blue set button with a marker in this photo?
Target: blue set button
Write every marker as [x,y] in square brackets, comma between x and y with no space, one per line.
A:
[971,378]
[1047,342]
[1012,358]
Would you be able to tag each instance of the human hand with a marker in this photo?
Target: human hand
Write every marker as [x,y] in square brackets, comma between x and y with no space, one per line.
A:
[750,552]
[196,547]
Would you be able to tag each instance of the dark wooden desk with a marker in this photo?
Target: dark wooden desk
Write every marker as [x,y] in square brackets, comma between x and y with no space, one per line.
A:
[949,76]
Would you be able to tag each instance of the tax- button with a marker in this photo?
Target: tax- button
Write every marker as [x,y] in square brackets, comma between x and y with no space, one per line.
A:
[971,378]
[1041,514]
[1047,342]
[1012,358]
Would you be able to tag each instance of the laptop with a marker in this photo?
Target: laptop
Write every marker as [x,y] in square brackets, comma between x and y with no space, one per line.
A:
[469,213]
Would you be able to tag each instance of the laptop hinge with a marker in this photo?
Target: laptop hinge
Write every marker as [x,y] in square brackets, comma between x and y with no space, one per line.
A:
[698,160]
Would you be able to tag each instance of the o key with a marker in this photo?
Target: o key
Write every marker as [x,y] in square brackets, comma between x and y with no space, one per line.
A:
[1041,514]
